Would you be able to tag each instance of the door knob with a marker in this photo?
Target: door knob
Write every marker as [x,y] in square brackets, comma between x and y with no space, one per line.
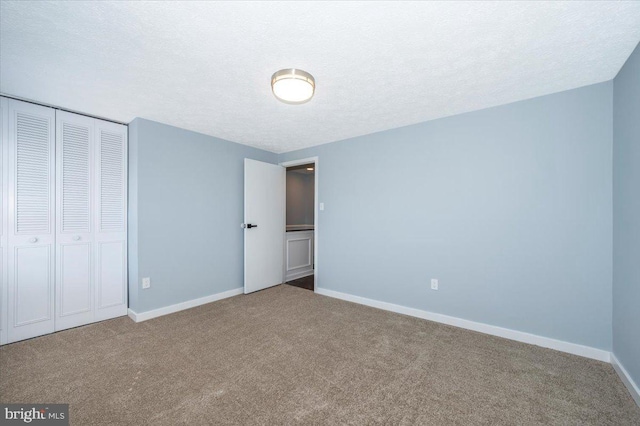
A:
[76,238]
[33,240]
[249,225]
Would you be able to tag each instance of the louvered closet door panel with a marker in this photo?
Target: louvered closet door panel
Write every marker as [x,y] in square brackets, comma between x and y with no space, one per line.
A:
[4,144]
[74,236]
[111,225]
[31,230]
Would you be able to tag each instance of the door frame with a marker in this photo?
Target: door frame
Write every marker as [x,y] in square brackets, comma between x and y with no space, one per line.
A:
[316,181]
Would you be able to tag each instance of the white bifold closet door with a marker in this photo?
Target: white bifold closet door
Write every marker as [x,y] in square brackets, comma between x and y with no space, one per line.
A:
[74,207]
[91,221]
[110,225]
[31,226]
[63,234]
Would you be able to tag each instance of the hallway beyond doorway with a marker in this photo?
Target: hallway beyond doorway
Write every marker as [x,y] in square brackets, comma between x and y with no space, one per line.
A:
[304,282]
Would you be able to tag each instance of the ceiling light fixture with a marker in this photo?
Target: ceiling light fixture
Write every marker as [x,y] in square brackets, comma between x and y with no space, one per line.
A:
[310,169]
[293,86]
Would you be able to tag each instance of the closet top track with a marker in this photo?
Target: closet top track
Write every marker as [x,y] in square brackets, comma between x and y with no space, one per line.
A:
[18,98]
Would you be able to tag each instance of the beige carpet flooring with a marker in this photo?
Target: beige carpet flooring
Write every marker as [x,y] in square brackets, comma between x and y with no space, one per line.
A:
[288,356]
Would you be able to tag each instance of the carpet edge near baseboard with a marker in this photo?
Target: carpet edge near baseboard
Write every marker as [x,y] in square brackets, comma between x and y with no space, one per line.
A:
[520,336]
[166,310]
[631,386]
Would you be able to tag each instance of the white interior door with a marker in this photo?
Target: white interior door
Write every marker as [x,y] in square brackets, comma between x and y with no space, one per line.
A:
[31,234]
[264,224]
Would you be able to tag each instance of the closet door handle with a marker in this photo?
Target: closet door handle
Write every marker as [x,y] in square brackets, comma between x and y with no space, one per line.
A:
[33,240]
[76,238]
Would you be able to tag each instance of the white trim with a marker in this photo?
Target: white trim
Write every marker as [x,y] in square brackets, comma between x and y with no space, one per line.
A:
[520,336]
[316,203]
[297,228]
[298,275]
[143,316]
[633,388]
[133,315]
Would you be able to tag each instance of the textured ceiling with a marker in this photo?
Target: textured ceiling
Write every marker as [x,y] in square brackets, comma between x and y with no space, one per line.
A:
[206,66]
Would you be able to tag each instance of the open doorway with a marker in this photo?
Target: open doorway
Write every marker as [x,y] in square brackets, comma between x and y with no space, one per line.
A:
[299,256]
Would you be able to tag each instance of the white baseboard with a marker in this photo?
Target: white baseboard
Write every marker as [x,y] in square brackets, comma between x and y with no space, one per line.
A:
[633,388]
[298,275]
[520,336]
[143,316]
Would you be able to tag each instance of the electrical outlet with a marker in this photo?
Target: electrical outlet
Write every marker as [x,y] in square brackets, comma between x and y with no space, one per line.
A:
[434,284]
[146,282]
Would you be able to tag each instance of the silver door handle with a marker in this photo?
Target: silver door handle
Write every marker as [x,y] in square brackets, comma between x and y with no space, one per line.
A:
[76,238]
[33,240]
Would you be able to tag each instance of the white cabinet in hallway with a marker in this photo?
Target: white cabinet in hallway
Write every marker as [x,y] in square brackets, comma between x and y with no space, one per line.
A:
[66,222]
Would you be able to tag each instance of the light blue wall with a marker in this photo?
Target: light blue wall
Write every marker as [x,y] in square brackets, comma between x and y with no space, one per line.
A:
[185,211]
[510,207]
[626,215]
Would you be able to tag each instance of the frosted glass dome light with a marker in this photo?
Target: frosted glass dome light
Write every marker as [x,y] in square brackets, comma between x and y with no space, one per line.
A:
[293,86]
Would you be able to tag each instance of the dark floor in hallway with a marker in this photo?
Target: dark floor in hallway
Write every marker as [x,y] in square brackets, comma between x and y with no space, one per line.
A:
[304,282]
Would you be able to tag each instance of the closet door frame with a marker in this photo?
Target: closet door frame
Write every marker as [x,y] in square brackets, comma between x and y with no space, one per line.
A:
[4,187]
[27,243]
